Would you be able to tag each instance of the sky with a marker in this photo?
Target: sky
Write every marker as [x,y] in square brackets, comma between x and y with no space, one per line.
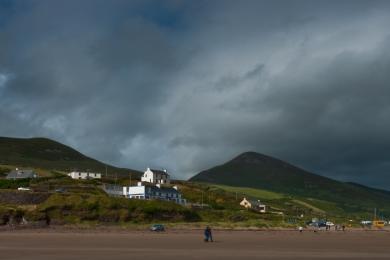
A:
[187,85]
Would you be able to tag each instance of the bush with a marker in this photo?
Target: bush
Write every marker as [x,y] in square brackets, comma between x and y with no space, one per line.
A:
[237,218]
[5,215]
[4,171]
[14,184]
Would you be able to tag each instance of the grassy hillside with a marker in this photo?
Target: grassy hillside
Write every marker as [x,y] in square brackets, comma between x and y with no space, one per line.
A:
[281,209]
[259,171]
[255,193]
[62,200]
[84,202]
[51,155]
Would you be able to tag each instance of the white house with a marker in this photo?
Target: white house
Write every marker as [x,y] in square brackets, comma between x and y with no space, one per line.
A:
[84,175]
[153,192]
[156,176]
[253,204]
[146,192]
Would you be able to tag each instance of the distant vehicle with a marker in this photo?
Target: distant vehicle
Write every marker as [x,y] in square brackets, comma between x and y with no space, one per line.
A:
[378,223]
[60,190]
[317,224]
[321,224]
[23,188]
[157,228]
[366,222]
[329,223]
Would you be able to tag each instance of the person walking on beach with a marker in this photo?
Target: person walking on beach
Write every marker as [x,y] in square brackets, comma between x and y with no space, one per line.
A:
[208,236]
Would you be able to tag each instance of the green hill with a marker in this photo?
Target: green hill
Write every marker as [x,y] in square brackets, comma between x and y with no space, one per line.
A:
[254,170]
[51,155]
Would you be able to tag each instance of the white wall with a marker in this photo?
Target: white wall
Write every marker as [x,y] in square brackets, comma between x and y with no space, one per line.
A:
[85,175]
[133,191]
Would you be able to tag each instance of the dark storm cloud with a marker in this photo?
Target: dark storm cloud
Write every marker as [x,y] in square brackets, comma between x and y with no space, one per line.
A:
[187,85]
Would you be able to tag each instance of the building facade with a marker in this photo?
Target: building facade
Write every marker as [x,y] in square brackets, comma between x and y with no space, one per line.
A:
[146,192]
[84,175]
[156,176]
[21,174]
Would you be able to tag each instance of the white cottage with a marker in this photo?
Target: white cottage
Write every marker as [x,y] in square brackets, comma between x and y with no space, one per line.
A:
[84,175]
[253,204]
[156,176]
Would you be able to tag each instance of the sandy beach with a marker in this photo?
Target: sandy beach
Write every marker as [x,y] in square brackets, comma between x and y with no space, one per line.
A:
[186,244]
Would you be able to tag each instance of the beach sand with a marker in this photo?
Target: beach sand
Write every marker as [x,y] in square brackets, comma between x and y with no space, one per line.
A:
[189,244]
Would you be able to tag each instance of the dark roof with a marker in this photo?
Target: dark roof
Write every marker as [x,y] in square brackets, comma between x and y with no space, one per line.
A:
[163,189]
[159,171]
[255,203]
[112,187]
[21,174]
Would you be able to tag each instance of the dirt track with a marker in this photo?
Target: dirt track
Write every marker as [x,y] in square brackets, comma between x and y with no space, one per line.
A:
[189,245]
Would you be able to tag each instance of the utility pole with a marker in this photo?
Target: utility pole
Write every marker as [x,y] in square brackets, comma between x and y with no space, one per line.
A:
[202,200]
[130,179]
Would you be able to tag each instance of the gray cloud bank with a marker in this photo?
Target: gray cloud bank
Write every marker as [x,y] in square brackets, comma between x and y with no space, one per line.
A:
[187,85]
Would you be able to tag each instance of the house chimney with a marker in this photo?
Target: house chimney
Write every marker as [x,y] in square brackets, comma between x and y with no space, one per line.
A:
[158,185]
[175,187]
[139,184]
[148,169]
[165,170]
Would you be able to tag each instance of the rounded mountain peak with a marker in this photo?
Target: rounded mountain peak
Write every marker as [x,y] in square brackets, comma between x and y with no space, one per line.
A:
[252,158]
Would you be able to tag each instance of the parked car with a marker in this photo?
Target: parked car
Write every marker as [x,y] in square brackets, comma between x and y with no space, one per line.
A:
[318,224]
[329,223]
[379,223]
[321,224]
[23,188]
[157,228]
[60,190]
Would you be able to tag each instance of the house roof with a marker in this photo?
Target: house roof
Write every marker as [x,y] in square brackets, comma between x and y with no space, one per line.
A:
[112,187]
[254,202]
[159,172]
[15,174]
[163,189]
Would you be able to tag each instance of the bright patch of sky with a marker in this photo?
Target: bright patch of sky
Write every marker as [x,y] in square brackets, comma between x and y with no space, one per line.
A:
[3,81]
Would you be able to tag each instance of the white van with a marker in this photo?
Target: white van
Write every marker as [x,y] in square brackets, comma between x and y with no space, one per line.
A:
[23,188]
